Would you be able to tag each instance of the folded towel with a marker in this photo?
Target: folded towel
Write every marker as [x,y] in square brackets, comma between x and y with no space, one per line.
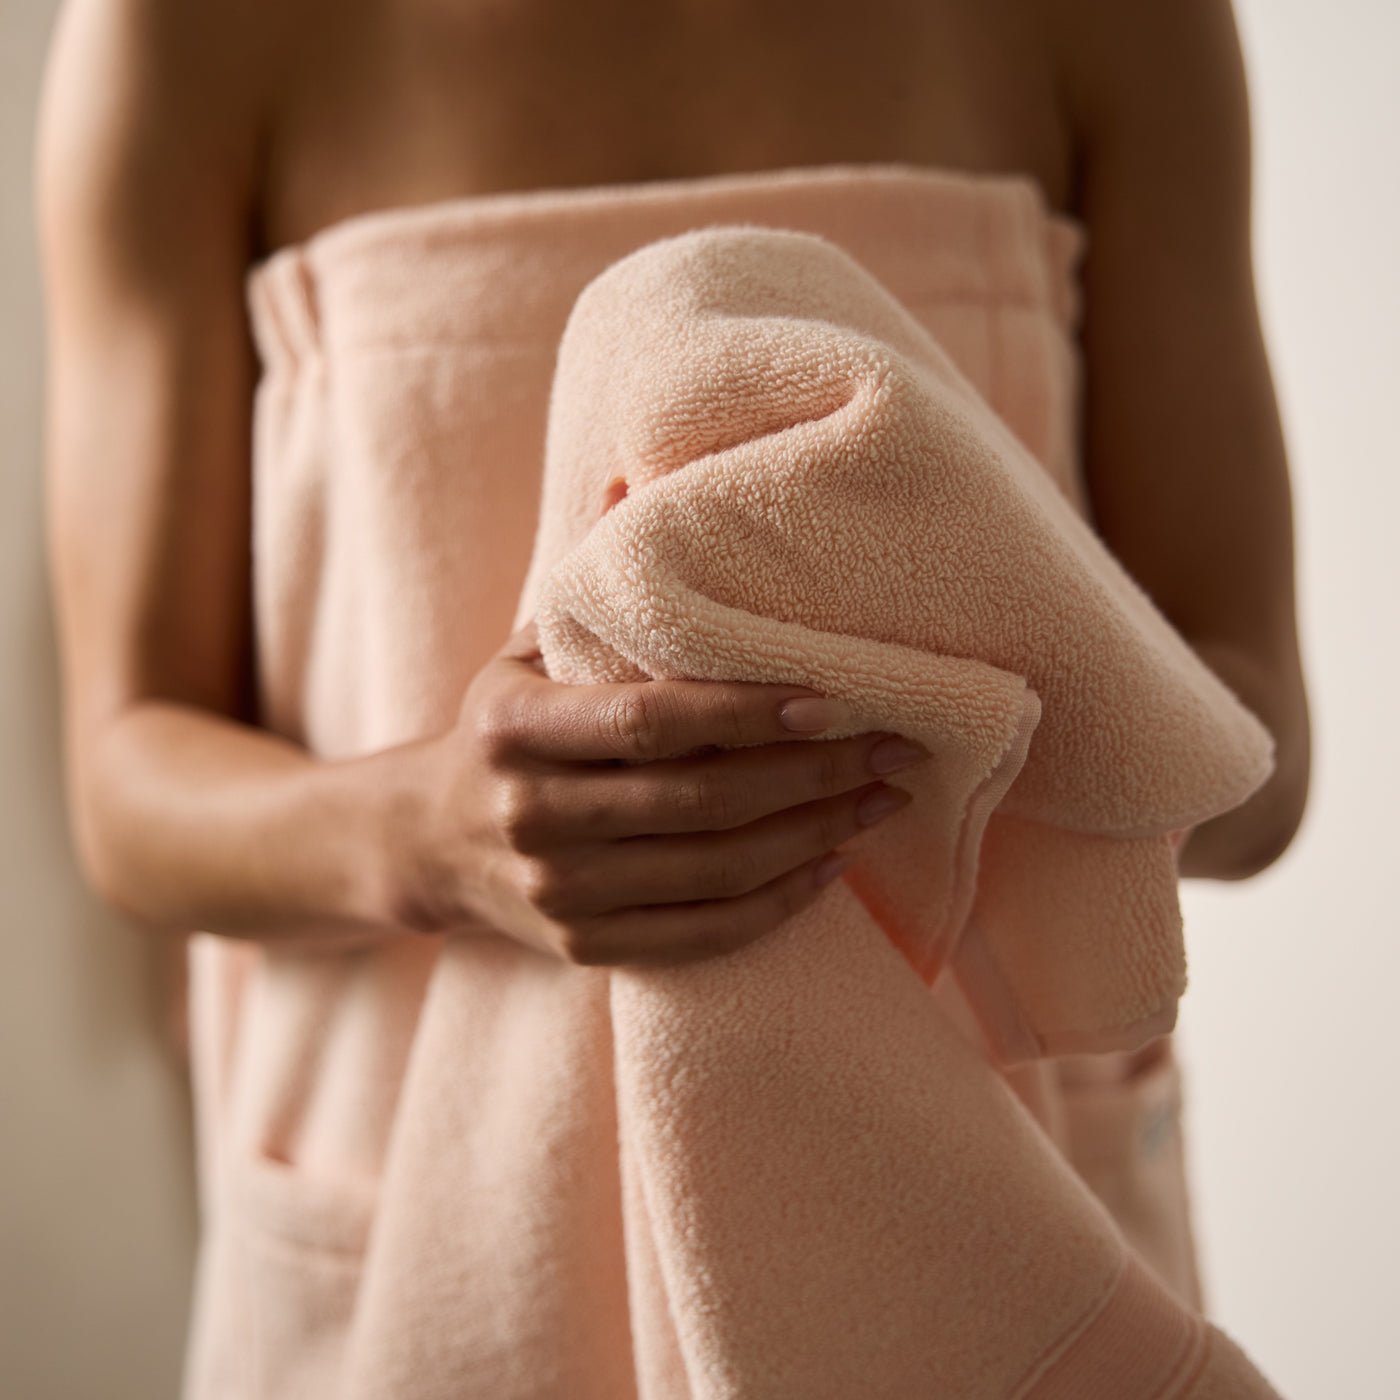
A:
[804,488]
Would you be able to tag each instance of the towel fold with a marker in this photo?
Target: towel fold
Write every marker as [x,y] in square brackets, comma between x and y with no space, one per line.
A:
[824,1190]
[761,467]
[437,1168]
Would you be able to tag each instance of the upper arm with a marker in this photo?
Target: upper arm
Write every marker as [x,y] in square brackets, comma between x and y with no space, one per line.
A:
[143,175]
[1183,452]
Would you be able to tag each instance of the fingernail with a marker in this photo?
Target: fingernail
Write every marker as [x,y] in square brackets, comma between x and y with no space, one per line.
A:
[891,754]
[810,712]
[829,867]
[880,803]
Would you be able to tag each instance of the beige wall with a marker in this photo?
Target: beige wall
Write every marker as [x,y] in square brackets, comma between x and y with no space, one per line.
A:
[1288,1026]
[96,1207]
[1286,1032]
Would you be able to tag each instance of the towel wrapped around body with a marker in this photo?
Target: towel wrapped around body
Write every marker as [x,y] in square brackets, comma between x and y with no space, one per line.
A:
[451,1167]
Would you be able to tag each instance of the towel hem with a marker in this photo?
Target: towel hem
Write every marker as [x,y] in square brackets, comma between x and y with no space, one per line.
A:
[1138,1341]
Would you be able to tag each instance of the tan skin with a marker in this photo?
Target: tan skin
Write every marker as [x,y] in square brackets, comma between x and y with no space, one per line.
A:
[178,143]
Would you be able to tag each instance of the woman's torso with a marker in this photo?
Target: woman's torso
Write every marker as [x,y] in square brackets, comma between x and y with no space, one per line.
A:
[378,105]
[371,106]
[395,107]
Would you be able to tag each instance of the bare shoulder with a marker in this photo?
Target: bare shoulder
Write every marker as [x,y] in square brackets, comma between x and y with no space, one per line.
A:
[1183,452]
[145,168]
[1168,72]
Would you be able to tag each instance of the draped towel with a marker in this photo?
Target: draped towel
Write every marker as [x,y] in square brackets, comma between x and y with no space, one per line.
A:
[760,467]
[808,490]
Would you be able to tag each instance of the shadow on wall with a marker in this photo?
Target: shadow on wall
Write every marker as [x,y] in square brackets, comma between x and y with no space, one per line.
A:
[99,1205]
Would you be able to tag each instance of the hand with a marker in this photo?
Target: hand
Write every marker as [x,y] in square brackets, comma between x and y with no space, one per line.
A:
[600,824]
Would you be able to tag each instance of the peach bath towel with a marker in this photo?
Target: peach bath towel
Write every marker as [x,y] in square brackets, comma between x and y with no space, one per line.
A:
[438,1168]
[812,493]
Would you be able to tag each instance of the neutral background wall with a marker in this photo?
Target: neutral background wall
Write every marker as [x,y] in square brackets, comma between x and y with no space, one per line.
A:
[1292,1069]
[96,1206]
[1287,1029]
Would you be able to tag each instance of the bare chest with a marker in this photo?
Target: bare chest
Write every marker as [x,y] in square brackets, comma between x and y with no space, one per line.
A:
[378,103]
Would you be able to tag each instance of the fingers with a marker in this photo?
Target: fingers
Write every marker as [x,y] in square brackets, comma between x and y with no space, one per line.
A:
[662,935]
[709,792]
[636,722]
[721,865]
[710,831]
[652,720]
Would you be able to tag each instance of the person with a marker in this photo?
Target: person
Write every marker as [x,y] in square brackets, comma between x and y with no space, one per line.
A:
[177,145]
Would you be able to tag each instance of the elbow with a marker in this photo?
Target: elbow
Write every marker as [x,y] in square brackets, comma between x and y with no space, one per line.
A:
[97,864]
[95,823]
[1275,841]
[1247,840]
[1256,835]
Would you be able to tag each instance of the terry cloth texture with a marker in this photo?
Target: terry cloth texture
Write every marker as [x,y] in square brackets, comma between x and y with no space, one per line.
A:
[437,1167]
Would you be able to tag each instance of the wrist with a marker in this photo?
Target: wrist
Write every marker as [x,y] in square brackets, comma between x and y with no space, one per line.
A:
[402,878]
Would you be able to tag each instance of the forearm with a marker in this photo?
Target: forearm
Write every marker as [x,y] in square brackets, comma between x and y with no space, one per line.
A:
[188,820]
[1248,838]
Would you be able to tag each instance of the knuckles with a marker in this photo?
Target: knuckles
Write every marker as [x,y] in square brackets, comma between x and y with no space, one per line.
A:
[703,798]
[518,813]
[547,888]
[496,728]
[634,721]
[579,950]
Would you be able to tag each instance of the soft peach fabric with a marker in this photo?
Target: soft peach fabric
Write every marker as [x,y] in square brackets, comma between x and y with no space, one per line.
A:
[451,1167]
[814,494]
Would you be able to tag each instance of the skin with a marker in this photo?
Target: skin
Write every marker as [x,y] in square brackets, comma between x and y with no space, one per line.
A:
[179,143]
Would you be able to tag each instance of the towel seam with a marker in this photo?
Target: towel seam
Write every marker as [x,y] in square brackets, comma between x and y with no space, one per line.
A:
[993,305]
[1057,1348]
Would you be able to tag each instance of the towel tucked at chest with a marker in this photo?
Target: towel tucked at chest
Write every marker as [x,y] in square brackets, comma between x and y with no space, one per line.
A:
[761,467]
